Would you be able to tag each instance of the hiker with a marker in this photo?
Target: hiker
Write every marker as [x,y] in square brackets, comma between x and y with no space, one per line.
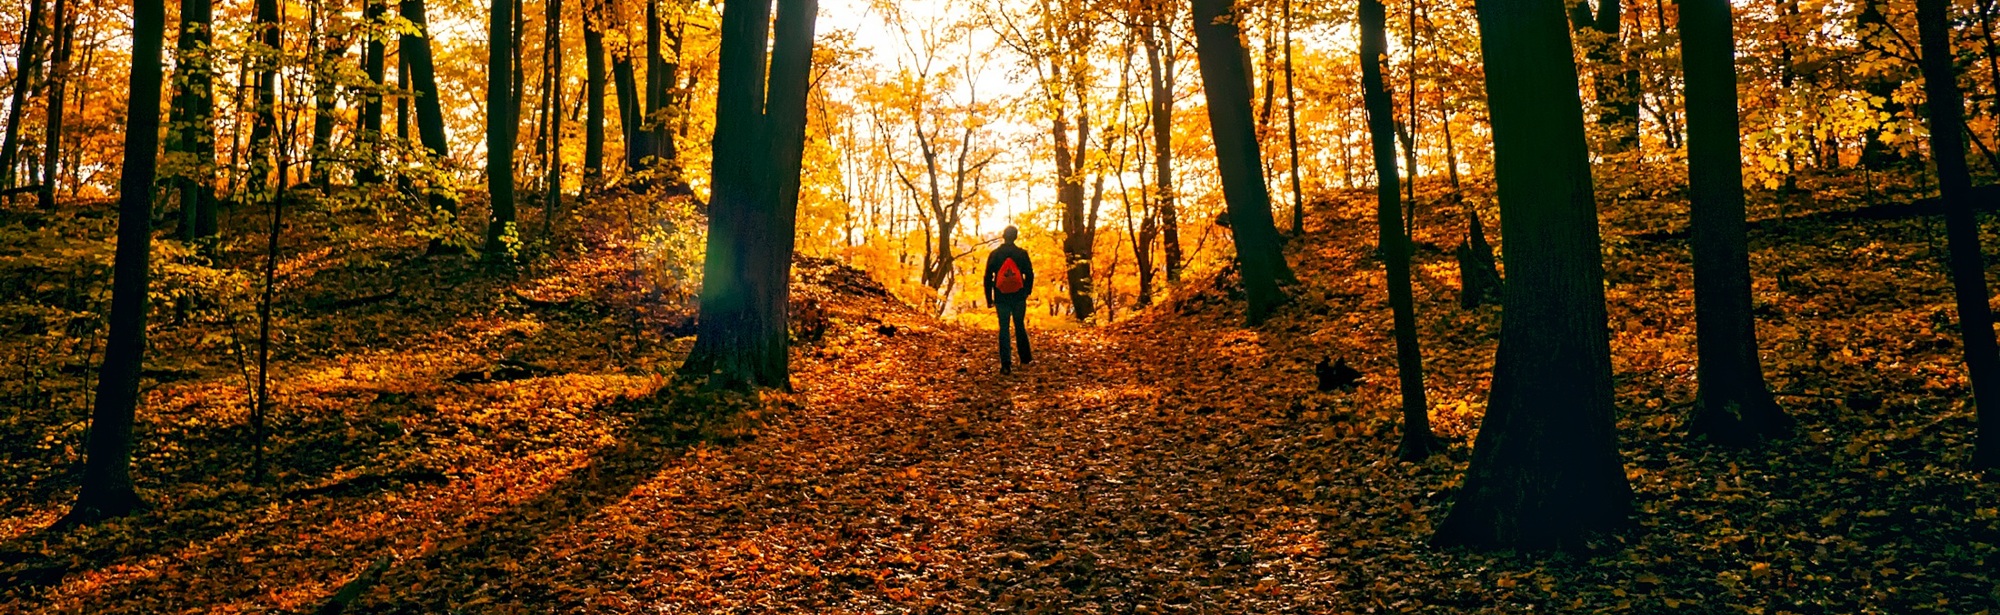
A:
[1009,279]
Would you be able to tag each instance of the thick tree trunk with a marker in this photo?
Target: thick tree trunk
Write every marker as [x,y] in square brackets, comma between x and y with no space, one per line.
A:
[27,60]
[593,93]
[661,77]
[1968,265]
[1225,78]
[501,123]
[1079,237]
[416,49]
[193,105]
[1545,468]
[1418,441]
[743,339]
[1733,405]
[629,114]
[59,74]
[107,472]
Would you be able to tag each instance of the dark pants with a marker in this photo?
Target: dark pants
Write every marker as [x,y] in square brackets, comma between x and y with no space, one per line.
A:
[1013,312]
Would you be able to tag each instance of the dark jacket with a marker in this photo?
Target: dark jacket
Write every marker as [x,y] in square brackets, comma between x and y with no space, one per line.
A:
[1000,255]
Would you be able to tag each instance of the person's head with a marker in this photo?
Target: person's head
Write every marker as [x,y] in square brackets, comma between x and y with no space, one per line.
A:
[1010,234]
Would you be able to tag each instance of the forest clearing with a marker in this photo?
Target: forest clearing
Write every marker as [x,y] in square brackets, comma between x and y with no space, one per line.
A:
[678,306]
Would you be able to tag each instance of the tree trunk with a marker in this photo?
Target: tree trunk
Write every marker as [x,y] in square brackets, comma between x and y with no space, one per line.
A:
[107,472]
[1968,266]
[1078,236]
[1292,129]
[661,76]
[264,128]
[371,102]
[501,122]
[1160,70]
[1418,442]
[193,104]
[59,74]
[323,102]
[743,339]
[27,59]
[593,93]
[1733,405]
[1545,469]
[629,112]
[552,98]
[1615,82]
[1225,78]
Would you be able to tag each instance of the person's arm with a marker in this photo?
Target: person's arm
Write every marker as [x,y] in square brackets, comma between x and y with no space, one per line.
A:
[991,269]
[1027,274]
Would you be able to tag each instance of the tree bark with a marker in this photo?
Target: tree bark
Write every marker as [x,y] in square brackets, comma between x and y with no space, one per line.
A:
[193,104]
[429,109]
[552,97]
[1225,78]
[107,472]
[27,60]
[1545,469]
[1292,129]
[59,74]
[501,123]
[629,114]
[743,339]
[1616,83]
[1733,404]
[593,93]
[371,102]
[1418,441]
[1968,265]
[264,127]
[1159,41]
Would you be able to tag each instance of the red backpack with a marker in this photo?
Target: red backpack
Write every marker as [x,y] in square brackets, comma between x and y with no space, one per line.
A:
[1008,280]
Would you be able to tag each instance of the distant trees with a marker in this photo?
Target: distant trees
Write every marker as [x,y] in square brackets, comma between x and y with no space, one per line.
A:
[1156,31]
[1733,404]
[193,146]
[1395,246]
[418,60]
[1225,77]
[1545,468]
[760,127]
[1968,264]
[107,473]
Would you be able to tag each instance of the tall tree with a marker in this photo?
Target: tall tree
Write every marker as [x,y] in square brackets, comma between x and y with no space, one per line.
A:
[416,47]
[593,92]
[1734,405]
[502,107]
[1292,129]
[107,472]
[1418,442]
[1159,39]
[552,100]
[1225,76]
[375,11]
[760,125]
[59,76]
[662,74]
[332,46]
[630,112]
[264,127]
[27,63]
[1545,468]
[1968,265]
[1615,80]
[193,104]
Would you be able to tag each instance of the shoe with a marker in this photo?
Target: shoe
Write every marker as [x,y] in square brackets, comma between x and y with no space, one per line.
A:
[1004,371]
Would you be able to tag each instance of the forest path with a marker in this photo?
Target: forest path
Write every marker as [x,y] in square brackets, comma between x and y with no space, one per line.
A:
[912,477]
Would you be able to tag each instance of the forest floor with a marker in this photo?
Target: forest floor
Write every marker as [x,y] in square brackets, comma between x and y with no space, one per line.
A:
[505,441]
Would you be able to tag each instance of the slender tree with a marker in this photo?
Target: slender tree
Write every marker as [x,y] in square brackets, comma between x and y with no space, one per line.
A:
[1292,130]
[1418,441]
[1159,39]
[264,127]
[59,76]
[1226,79]
[416,48]
[743,339]
[1545,468]
[593,92]
[502,107]
[1733,405]
[26,64]
[629,113]
[552,99]
[1968,265]
[373,63]
[107,472]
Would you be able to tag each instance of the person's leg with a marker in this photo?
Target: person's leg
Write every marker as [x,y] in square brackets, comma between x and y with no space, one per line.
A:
[1020,314]
[1001,308]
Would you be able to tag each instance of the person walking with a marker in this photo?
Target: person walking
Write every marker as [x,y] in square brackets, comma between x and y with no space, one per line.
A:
[1010,277]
